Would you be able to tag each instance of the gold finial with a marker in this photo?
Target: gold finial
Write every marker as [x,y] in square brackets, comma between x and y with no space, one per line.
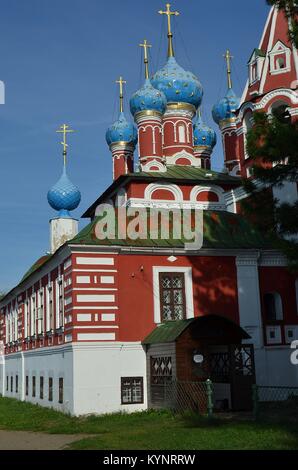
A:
[121,83]
[169,13]
[228,58]
[64,129]
[145,46]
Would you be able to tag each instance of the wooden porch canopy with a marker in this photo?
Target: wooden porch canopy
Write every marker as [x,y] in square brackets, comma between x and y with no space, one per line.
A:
[211,328]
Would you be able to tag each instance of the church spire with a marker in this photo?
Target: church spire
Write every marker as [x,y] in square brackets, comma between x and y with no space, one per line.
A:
[121,82]
[145,46]
[169,13]
[228,58]
[64,129]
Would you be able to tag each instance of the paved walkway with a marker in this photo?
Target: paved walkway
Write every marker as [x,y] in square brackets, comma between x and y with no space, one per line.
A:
[25,440]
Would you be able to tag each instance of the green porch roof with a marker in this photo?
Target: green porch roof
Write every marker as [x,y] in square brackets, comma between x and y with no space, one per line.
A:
[202,327]
[167,332]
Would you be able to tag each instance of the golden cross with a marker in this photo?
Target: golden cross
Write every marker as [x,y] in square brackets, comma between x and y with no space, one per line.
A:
[121,83]
[228,58]
[64,129]
[145,46]
[169,13]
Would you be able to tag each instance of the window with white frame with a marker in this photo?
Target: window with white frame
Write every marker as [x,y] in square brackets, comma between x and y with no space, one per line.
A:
[291,333]
[50,309]
[15,321]
[273,307]
[280,59]
[247,124]
[26,319]
[172,296]
[273,334]
[59,303]
[40,317]
[184,305]
[181,133]
[33,315]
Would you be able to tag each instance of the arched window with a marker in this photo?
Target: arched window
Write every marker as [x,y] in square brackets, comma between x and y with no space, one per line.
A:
[247,124]
[280,63]
[181,133]
[273,307]
[280,110]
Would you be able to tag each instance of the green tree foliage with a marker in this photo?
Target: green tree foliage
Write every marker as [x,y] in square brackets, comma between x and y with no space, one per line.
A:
[290,8]
[273,144]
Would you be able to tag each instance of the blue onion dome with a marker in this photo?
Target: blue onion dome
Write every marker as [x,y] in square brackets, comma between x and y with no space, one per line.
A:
[122,131]
[203,134]
[64,196]
[226,107]
[177,84]
[148,98]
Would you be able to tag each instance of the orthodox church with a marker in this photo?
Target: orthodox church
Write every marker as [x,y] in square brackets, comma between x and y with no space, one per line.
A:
[102,323]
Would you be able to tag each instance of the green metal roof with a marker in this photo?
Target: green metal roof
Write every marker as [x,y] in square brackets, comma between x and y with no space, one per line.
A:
[258,53]
[185,172]
[203,327]
[40,262]
[167,332]
[175,173]
[222,230]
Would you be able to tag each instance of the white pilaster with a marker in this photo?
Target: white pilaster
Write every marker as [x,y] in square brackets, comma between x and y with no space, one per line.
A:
[249,297]
[62,229]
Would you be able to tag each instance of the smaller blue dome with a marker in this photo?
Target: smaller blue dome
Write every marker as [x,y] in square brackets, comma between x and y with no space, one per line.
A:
[177,84]
[226,107]
[148,98]
[121,131]
[203,135]
[64,196]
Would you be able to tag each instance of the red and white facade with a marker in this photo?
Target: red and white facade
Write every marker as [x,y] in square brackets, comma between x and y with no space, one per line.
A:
[73,328]
[272,83]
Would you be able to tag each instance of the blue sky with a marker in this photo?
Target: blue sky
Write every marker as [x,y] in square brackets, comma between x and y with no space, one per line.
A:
[59,60]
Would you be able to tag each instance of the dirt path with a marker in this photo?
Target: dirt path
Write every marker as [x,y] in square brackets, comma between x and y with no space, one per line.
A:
[23,440]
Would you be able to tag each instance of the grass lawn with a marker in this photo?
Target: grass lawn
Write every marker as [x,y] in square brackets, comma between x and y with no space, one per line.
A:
[150,430]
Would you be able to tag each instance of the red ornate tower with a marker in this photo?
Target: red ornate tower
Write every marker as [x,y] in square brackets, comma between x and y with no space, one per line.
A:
[224,114]
[147,106]
[183,92]
[121,138]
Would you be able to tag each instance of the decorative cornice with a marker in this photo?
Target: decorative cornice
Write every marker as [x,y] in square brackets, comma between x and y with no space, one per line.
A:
[187,111]
[148,115]
[249,259]
[226,123]
[285,92]
[273,258]
[121,145]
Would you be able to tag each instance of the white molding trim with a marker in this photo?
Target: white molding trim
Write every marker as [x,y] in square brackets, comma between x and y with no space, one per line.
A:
[162,204]
[280,48]
[280,92]
[196,190]
[188,289]
[157,163]
[270,43]
[260,46]
[172,188]
[193,161]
